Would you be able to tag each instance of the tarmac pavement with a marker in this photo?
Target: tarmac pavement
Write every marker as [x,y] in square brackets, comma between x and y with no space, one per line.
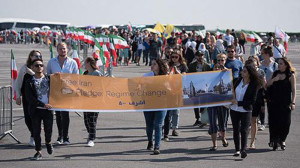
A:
[121,137]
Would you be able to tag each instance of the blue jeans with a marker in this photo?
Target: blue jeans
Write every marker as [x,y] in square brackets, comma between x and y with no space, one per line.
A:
[172,115]
[219,113]
[154,121]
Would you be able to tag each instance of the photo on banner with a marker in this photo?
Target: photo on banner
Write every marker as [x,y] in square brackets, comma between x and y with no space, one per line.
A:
[206,88]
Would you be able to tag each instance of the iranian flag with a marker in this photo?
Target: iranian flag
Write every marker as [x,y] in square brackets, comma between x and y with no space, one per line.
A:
[251,36]
[129,27]
[113,52]
[75,34]
[102,39]
[80,34]
[76,58]
[118,42]
[279,33]
[219,32]
[88,38]
[98,54]
[106,55]
[14,75]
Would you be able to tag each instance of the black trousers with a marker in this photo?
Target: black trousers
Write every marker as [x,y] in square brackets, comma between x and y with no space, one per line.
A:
[279,122]
[90,122]
[198,112]
[240,123]
[27,116]
[37,117]
[63,122]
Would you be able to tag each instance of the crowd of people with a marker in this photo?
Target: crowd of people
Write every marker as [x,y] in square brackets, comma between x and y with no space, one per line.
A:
[264,80]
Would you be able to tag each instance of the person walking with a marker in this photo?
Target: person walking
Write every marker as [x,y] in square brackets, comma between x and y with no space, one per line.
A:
[245,91]
[62,64]
[154,119]
[24,74]
[90,118]
[37,92]
[281,90]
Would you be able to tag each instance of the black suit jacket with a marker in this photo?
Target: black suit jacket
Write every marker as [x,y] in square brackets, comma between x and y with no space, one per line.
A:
[250,95]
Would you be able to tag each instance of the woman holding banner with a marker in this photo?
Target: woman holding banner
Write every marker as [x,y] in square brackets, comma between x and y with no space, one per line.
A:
[177,65]
[221,114]
[90,118]
[154,119]
[24,74]
[245,91]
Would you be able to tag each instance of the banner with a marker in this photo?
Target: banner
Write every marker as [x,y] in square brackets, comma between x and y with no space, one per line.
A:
[71,92]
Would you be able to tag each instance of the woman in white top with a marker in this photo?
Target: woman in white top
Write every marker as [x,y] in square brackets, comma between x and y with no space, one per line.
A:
[245,91]
[24,74]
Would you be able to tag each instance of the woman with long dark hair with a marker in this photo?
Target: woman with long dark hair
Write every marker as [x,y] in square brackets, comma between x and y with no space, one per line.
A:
[245,91]
[90,118]
[281,101]
[154,119]
[24,74]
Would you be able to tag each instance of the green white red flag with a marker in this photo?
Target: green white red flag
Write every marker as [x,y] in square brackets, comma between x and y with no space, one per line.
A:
[119,42]
[102,39]
[251,36]
[88,38]
[14,75]
[98,53]
[113,52]
[279,33]
[76,58]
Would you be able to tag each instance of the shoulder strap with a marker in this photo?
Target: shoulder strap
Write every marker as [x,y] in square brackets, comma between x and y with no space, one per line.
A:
[278,50]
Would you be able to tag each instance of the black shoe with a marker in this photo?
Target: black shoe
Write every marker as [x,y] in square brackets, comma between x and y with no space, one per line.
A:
[156,151]
[197,123]
[214,148]
[66,141]
[174,133]
[49,149]
[59,140]
[237,153]
[150,145]
[225,143]
[282,145]
[271,144]
[166,138]
[243,154]
[37,156]
[275,147]
[201,125]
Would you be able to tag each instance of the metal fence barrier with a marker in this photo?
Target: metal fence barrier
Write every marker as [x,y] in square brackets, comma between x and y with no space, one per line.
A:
[6,122]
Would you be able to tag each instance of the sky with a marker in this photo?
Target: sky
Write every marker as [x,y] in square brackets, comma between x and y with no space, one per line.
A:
[257,15]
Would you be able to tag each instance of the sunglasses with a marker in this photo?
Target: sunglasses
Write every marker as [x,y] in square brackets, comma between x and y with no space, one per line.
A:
[38,65]
[230,51]
[219,60]
[37,56]
[175,57]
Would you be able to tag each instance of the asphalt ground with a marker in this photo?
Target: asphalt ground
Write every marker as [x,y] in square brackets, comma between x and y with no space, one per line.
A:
[121,138]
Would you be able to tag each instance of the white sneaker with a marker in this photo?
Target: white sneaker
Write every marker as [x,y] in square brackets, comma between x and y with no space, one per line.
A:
[90,143]
[261,128]
[31,142]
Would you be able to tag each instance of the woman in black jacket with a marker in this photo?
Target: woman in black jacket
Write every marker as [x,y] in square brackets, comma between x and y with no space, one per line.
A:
[245,91]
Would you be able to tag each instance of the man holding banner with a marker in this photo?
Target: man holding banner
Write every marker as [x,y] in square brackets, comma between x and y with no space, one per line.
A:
[62,64]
